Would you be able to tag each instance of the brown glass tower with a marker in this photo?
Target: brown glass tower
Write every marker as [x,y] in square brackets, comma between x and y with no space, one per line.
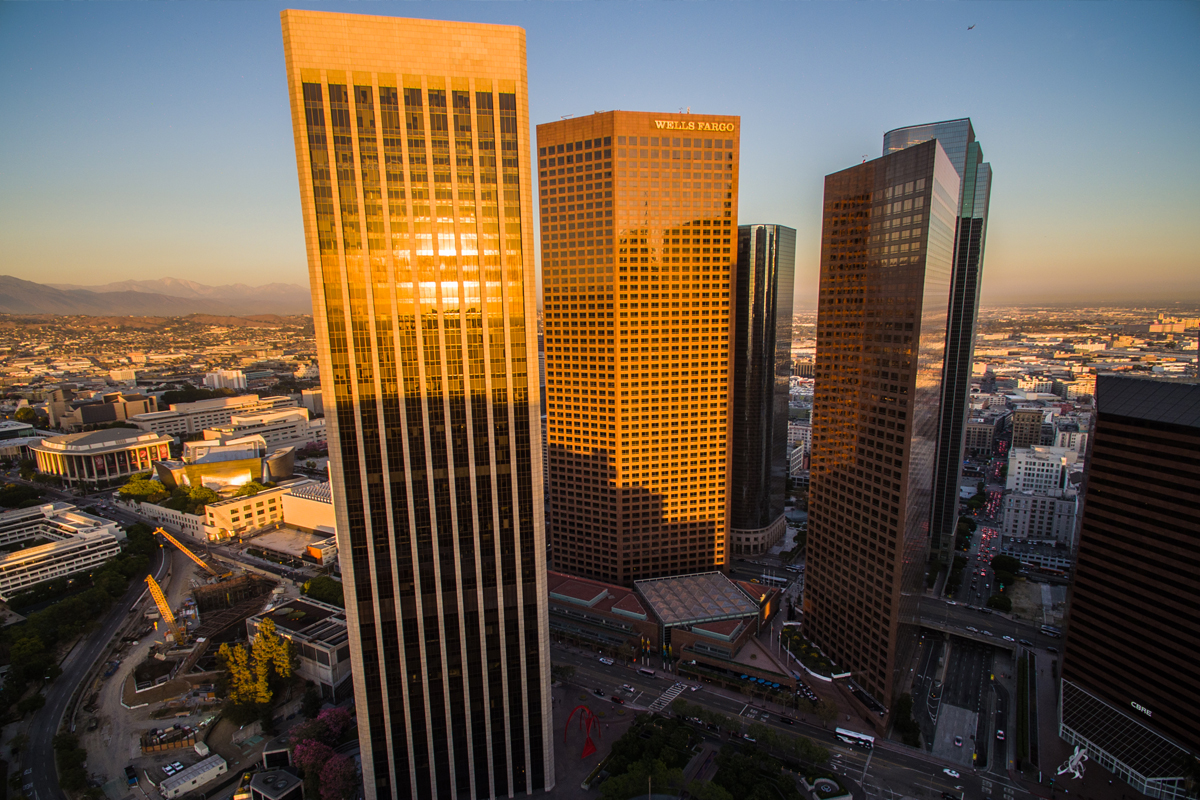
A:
[415,189]
[639,238]
[886,255]
[1131,661]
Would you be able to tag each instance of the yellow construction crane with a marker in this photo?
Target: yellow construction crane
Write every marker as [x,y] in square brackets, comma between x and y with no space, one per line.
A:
[188,553]
[177,630]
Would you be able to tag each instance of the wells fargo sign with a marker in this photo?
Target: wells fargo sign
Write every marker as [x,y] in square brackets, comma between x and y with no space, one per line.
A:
[688,125]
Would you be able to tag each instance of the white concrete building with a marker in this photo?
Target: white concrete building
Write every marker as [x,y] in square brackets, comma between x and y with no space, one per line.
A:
[186,420]
[1041,470]
[800,434]
[72,542]
[320,639]
[1041,517]
[282,427]
[233,379]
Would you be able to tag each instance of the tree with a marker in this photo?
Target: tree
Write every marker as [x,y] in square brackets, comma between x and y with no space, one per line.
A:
[141,488]
[312,702]
[707,790]
[241,681]
[1006,564]
[27,705]
[311,756]
[325,589]
[26,414]
[1000,603]
[249,489]
[339,778]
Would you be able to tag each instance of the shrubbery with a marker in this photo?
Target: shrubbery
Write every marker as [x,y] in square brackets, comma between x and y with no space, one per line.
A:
[325,589]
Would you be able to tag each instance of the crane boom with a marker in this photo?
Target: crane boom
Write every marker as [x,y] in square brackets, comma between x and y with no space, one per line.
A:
[177,630]
[187,552]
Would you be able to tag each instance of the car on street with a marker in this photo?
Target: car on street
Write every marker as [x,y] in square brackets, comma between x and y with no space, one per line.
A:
[617,700]
[695,687]
[1052,649]
[606,661]
[987,633]
[972,629]
[1027,643]
[1008,639]
[1000,735]
[952,773]
[598,692]
[958,741]
[787,720]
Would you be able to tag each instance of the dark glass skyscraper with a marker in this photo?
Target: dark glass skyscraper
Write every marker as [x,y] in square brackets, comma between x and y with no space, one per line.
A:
[1131,669]
[761,351]
[414,166]
[886,257]
[975,176]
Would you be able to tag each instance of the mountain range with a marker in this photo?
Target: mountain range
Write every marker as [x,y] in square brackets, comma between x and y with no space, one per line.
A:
[166,297]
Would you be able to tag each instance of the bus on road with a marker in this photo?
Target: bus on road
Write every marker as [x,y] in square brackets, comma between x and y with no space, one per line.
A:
[857,739]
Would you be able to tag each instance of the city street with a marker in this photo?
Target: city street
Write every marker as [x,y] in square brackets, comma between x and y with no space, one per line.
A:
[38,754]
[893,769]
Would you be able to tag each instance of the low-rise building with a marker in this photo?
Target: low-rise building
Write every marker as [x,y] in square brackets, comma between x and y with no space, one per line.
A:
[63,541]
[1039,555]
[100,410]
[99,459]
[278,428]
[233,379]
[1041,517]
[188,420]
[1041,470]
[193,777]
[276,784]
[320,640]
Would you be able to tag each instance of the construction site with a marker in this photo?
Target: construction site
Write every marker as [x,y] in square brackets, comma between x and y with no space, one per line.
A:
[152,705]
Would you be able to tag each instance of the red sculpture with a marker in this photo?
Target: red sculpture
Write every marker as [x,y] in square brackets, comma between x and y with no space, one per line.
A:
[585,716]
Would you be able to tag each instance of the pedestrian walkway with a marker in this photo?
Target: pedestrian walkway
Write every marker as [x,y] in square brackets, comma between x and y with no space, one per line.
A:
[666,697]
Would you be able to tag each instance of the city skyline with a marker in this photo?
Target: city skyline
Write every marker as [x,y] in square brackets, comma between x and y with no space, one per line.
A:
[111,117]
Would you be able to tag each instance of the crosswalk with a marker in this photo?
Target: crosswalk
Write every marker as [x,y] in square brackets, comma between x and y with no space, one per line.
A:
[666,697]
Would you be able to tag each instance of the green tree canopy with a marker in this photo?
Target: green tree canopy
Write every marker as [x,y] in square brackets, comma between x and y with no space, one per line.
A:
[1006,564]
[325,589]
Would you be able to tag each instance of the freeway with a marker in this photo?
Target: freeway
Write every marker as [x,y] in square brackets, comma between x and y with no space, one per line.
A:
[39,752]
[892,771]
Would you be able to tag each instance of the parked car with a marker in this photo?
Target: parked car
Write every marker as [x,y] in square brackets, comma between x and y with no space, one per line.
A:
[605,660]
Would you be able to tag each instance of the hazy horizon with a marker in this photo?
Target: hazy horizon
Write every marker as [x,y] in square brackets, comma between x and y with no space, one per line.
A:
[151,140]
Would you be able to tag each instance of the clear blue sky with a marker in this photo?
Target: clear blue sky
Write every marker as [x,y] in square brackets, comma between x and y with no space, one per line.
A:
[154,139]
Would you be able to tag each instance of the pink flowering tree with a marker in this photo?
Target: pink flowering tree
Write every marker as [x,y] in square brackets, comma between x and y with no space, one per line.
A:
[339,778]
[336,722]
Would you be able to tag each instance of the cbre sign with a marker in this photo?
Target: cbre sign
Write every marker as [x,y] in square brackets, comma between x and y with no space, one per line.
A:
[1139,707]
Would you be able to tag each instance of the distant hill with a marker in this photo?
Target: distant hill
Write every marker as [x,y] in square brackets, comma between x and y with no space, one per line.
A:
[161,297]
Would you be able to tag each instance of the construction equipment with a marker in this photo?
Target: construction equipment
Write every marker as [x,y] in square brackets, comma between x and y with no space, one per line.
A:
[178,631]
[191,555]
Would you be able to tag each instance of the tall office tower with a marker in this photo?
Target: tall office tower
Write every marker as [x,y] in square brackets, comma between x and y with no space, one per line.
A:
[1130,674]
[762,369]
[886,258]
[415,187]
[975,186]
[638,235]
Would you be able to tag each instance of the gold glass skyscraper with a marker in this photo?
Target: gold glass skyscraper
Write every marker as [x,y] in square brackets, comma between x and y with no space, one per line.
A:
[639,240]
[414,182]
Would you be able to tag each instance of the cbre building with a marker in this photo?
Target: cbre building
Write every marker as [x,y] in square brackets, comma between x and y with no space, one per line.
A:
[414,172]
[1130,674]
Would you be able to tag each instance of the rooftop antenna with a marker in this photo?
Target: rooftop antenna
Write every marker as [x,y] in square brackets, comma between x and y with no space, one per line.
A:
[689,109]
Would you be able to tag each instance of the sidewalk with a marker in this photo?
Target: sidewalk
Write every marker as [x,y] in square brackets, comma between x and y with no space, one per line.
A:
[1097,783]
